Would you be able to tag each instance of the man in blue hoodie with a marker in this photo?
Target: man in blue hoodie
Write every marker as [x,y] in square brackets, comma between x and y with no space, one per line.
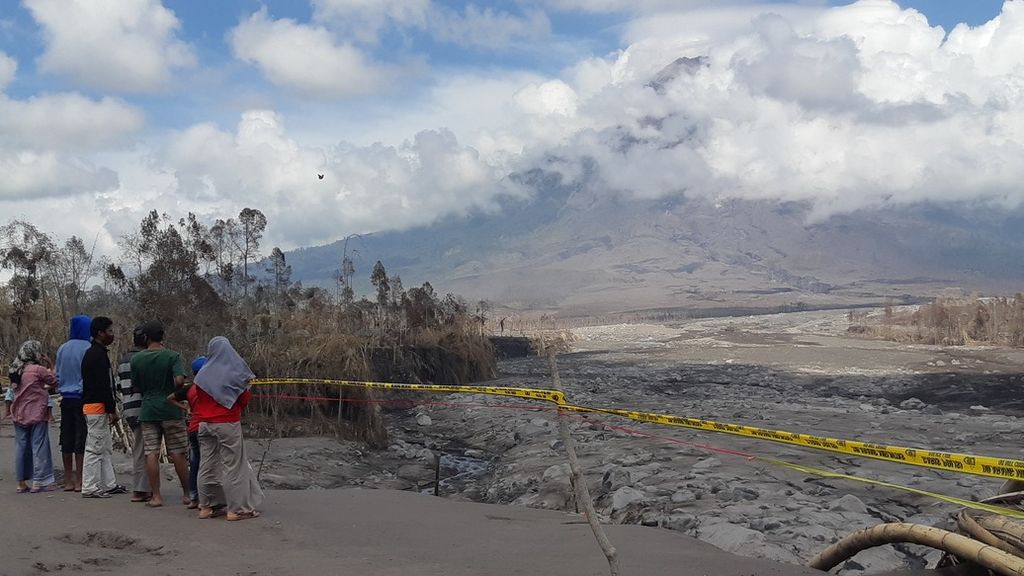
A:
[72,421]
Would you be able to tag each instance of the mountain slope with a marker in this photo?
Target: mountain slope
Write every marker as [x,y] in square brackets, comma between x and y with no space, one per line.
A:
[582,251]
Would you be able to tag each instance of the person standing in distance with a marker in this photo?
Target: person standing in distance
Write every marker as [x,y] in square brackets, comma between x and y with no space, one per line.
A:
[100,411]
[158,371]
[131,407]
[69,384]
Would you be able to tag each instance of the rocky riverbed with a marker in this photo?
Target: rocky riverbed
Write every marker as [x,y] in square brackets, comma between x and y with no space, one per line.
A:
[799,372]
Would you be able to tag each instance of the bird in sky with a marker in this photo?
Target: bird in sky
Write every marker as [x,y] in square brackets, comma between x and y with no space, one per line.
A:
[320,176]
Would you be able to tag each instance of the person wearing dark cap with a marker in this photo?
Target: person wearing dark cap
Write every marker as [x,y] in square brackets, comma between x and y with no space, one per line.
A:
[131,406]
[158,371]
[100,409]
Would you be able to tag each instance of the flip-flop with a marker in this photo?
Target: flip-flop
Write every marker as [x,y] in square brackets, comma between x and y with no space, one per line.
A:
[22,490]
[43,489]
[71,489]
[236,516]
[150,504]
[139,499]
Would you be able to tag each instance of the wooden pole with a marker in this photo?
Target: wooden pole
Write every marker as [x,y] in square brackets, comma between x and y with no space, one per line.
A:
[579,483]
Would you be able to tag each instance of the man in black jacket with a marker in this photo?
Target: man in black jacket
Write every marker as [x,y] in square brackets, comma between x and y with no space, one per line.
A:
[100,411]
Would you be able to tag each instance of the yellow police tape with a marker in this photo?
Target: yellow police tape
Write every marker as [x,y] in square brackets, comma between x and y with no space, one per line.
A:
[963,463]
[1011,512]
[553,396]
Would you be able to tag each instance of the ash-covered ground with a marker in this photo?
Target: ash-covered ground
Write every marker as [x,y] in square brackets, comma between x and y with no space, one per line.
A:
[799,372]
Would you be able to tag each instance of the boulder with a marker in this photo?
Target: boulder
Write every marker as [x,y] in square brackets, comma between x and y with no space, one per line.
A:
[683,496]
[616,478]
[707,464]
[912,404]
[848,503]
[625,497]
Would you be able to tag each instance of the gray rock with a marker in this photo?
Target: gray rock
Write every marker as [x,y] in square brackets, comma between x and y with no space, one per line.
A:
[616,478]
[744,541]
[626,496]
[848,503]
[424,420]
[707,464]
[912,404]
[683,496]
[556,473]
[683,522]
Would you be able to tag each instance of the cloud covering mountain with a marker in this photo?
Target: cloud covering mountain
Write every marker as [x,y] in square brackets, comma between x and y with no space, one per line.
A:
[844,108]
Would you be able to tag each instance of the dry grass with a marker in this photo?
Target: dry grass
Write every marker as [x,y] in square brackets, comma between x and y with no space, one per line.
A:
[327,340]
[949,322]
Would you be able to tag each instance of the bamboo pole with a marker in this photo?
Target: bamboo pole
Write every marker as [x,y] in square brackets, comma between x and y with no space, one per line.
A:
[981,533]
[1006,530]
[962,547]
[579,483]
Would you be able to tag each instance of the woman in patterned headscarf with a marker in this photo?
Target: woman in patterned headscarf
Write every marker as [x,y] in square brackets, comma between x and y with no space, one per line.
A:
[31,383]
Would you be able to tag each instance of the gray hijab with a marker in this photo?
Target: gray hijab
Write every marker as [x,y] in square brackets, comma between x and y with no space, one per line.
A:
[225,376]
[29,353]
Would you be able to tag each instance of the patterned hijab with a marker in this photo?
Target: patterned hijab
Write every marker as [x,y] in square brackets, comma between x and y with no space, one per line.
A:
[29,353]
[225,375]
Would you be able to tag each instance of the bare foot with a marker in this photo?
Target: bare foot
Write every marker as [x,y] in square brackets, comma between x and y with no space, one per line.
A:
[155,502]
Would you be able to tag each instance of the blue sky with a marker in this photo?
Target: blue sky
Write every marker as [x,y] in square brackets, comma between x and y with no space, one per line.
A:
[420,108]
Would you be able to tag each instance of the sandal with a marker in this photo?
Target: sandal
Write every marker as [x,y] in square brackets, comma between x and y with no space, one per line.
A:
[236,516]
[38,489]
[140,497]
[21,490]
[206,513]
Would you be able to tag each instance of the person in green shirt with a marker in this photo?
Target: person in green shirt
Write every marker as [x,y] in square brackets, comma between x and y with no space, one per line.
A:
[158,371]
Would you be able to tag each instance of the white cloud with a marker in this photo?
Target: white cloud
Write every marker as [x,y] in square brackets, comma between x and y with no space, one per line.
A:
[488,28]
[66,121]
[857,106]
[363,188]
[364,20]
[121,45]
[8,68]
[860,106]
[631,6]
[552,97]
[306,58]
[29,174]
[473,26]
[45,142]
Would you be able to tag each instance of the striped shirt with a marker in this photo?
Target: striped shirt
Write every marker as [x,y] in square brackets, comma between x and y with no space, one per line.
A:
[131,398]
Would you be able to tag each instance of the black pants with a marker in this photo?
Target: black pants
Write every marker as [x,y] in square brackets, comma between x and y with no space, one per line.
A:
[72,426]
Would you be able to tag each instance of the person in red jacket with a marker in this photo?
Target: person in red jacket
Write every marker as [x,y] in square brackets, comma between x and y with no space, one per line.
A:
[216,401]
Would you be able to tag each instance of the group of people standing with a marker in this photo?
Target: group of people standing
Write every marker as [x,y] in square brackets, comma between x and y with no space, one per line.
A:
[161,411]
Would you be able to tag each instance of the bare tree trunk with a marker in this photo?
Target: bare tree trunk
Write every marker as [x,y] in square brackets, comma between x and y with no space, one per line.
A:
[579,483]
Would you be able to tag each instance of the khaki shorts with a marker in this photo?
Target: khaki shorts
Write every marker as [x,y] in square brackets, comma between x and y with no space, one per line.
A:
[172,432]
